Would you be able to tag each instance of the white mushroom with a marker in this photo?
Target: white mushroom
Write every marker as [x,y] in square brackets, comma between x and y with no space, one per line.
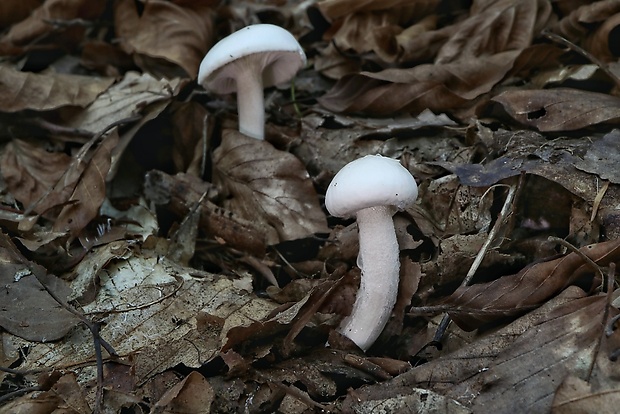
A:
[247,61]
[372,188]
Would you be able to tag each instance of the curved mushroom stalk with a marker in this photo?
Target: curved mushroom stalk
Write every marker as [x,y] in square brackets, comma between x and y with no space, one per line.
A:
[372,188]
[379,262]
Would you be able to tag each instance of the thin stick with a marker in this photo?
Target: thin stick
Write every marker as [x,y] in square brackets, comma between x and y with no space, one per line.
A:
[501,218]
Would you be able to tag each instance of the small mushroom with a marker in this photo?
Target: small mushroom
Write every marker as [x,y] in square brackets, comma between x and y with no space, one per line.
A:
[250,59]
[372,188]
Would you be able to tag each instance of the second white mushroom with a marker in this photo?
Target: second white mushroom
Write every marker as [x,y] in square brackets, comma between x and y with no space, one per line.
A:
[250,59]
[372,188]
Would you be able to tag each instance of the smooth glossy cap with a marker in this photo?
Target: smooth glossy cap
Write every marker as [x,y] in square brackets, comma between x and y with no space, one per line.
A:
[370,181]
[273,49]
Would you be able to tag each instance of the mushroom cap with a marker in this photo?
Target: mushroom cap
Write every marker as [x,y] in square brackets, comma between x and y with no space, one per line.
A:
[272,49]
[370,181]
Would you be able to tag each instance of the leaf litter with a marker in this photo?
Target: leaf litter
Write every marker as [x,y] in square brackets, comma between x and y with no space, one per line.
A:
[156,260]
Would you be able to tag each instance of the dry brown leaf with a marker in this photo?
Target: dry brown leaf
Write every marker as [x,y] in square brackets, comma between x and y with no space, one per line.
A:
[124,99]
[472,56]
[603,43]
[529,371]
[179,32]
[334,9]
[28,310]
[190,133]
[14,11]
[435,87]
[575,396]
[511,295]
[43,92]
[36,26]
[523,363]
[496,27]
[30,171]
[192,395]
[267,186]
[89,191]
[581,20]
[559,109]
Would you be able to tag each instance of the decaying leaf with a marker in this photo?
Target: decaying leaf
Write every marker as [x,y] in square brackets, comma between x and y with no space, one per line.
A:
[42,92]
[27,309]
[179,32]
[267,186]
[30,171]
[192,395]
[89,191]
[511,295]
[524,362]
[123,100]
[559,109]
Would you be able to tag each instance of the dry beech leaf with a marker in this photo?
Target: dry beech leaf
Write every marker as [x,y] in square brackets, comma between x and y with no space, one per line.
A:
[124,99]
[475,305]
[576,396]
[14,11]
[559,109]
[434,87]
[89,191]
[476,55]
[267,185]
[528,373]
[30,171]
[43,92]
[28,310]
[192,395]
[179,32]
[523,363]
[581,20]
[37,25]
[334,9]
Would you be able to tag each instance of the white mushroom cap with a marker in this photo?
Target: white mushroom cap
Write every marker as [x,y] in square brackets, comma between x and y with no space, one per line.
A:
[271,47]
[370,181]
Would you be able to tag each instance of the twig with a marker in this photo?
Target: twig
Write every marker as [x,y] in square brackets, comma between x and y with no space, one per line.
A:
[581,254]
[501,218]
[19,392]
[559,39]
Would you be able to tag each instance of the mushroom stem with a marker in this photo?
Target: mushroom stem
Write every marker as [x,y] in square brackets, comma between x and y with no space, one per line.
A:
[250,104]
[378,259]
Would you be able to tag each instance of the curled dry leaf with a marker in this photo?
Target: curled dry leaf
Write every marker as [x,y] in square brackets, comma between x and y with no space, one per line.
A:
[43,92]
[559,109]
[269,186]
[179,32]
[436,87]
[476,54]
[511,295]
[581,20]
[124,99]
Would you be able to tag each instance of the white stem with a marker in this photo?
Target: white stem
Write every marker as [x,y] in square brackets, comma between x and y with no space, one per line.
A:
[250,103]
[378,259]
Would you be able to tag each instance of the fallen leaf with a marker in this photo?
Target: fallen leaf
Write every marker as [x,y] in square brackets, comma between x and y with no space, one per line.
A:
[123,100]
[89,191]
[192,395]
[575,395]
[42,92]
[267,186]
[33,30]
[27,309]
[559,109]
[30,170]
[180,32]
[603,157]
[511,295]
